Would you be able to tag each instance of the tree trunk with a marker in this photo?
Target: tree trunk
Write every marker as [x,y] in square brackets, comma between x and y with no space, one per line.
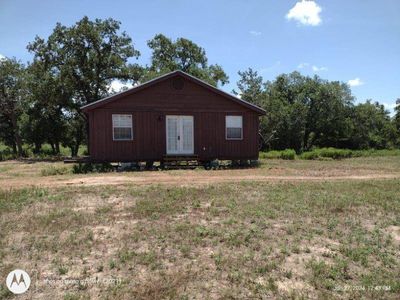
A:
[17,137]
[53,148]
[37,148]
[14,147]
[57,147]
[75,149]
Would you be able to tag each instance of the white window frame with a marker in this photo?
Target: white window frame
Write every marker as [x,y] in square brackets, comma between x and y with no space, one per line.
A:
[226,128]
[131,127]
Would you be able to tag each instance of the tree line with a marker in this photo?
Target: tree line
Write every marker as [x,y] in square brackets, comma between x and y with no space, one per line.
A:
[308,112]
[74,66]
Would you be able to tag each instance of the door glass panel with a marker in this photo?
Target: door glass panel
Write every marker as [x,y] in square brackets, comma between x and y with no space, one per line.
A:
[172,135]
[187,132]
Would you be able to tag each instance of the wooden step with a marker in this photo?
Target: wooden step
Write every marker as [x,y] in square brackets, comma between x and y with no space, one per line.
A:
[169,158]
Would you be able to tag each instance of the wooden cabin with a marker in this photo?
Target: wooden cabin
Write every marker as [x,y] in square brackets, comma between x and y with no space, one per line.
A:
[173,116]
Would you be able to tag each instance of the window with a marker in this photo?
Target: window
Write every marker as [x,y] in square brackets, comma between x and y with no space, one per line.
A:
[122,127]
[234,127]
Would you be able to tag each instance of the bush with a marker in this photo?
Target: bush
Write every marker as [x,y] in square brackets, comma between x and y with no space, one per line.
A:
[6,154]
[270,154]
[83,168]
[288,154]
[310,155]
[335,153]
[331,153]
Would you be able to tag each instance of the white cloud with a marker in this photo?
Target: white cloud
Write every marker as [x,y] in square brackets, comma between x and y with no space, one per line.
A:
[118,86]
[255,33]
[270,68]
[303,65]
[319,69]
[314,68]
[305,12]
[2,57]
[355,82]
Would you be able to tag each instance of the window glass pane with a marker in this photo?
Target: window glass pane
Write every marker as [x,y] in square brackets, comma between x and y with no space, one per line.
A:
[122,120]
[234,121]
[122,127]
[234,125]
[234,133]
[122,133]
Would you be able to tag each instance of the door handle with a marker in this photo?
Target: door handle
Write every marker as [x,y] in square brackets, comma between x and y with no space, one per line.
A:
[179,137]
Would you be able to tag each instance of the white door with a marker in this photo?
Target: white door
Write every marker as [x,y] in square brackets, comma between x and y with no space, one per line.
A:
[179,131]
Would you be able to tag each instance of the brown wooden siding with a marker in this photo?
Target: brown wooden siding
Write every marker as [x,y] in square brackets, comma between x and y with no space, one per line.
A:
[149,108]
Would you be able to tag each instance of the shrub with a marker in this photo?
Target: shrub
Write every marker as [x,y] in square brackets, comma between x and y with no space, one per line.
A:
[83,168]
[309,155]
[288,154]
[271,154]
[335,153]
[331,153]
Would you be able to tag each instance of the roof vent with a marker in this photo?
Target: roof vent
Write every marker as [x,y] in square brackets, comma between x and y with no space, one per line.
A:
[178,83]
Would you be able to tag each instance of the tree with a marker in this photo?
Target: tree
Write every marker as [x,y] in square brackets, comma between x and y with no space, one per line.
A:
[397,121]
[302,112]
[250,86]
[45,119]
[372,126]
[11,102]
[184,55]
[85,58]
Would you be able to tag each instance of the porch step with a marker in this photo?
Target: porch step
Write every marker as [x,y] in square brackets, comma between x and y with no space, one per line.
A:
[180,161]
[176,158]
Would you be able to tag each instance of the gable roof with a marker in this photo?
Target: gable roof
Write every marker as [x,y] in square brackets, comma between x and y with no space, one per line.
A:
[187,76]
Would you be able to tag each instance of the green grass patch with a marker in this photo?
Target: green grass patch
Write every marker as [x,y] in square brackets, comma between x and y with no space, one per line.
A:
[327,153]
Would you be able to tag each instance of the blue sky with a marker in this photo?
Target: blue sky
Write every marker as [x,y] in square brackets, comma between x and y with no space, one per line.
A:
[355,41]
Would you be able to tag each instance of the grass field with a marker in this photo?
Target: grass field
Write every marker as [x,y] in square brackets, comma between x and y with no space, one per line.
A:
[289,229]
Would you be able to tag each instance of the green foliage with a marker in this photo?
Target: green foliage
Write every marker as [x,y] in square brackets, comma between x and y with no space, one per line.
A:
[307,112]
[372,127]
[6,153]
[12,102]
[287,154]
[184,55]
[45,152]
[327,153]
[83,168]
[74,67]
[396,121]
[346,153]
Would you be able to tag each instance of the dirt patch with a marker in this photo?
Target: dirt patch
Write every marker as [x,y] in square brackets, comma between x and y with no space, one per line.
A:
[183,179]
[296,265]
[394,231]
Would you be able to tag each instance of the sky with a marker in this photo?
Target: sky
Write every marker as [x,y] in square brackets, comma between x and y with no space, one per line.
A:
[354,41]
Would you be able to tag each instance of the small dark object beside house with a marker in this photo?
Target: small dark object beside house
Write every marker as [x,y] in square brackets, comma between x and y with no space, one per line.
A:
[175,115]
